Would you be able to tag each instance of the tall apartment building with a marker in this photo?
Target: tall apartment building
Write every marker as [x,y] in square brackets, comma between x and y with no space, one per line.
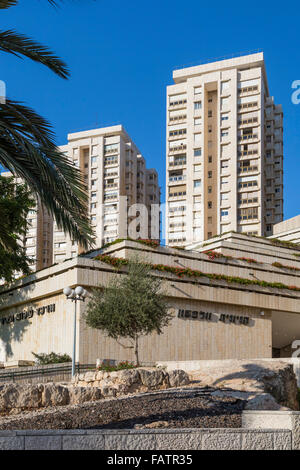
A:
[119,185]
[224,151]
[38,240]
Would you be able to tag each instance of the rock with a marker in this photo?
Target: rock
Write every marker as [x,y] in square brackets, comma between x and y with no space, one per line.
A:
[265,401]
[108,391]
[274,377]
[19,396]
[129,377]
[83,394]
[55,395]
[152,378]
[89,376]
[120,389]
[99,375]
[178,377]
[157,424]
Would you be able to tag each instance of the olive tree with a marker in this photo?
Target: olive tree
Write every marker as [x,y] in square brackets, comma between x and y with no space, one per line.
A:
[131,305]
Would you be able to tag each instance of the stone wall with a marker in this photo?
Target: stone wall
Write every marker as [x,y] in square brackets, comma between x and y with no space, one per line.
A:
[90,386]
[170,439]
[131,380]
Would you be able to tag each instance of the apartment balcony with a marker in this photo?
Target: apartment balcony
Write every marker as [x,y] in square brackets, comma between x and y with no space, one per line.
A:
[178,104]
[173,180]
[111,162]
[270,189]
[248,169]
[246,153]
[177,119]
[179,163]
[111,175]
[110,198]
[245,189]
[279,180]
[111,151]
[246,122]
[278,123]
[177,149]
[182,135]
[248,221]
[111,221]
[270,205]
[248,202]
[248,137]
[110,185]
[250,90]
[177,196]
[180,211]
[248,106]
[269,145]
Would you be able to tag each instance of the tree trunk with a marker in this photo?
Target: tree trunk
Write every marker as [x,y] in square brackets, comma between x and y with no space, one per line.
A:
[136,351]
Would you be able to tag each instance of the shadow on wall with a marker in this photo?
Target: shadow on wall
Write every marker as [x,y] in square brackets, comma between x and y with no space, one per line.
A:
[14,321]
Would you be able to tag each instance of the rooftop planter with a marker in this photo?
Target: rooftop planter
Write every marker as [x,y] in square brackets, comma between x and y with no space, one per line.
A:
[192,273]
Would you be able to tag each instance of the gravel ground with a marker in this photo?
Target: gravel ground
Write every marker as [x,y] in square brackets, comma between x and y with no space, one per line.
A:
[176,409]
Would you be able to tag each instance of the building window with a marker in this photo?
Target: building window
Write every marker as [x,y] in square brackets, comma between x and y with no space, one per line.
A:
[224,116]
[209,189]
[197,153]
[209,113]
[209,204]
[209,174]
[198,105]
[197,184]
[210,159]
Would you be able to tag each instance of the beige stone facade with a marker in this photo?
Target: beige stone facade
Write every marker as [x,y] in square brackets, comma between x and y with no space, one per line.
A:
[213,317]
[38,240]
[124,195]
[288,230]
[224,151]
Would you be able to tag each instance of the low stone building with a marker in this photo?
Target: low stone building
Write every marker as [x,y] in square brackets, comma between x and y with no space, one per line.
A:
[237,297]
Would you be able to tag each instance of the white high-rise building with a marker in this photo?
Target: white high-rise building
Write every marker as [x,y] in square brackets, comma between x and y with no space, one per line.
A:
[224,151]
[38,239]
[123,194]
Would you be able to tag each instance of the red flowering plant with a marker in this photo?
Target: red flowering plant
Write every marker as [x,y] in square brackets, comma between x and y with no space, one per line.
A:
[180,272]
[148,242]
[249,260]
[213,254]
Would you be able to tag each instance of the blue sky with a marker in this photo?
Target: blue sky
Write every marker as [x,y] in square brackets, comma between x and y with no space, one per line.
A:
[121,56]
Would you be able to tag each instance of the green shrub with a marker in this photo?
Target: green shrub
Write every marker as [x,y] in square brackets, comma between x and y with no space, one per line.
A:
[121,366]
[52,358]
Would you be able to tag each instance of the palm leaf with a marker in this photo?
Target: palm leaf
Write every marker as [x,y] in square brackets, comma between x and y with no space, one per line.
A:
[8,3]
[28,150]
[21,45]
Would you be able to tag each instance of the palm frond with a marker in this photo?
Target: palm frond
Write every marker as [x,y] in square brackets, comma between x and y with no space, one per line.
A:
[21,45]
[8,3]
[28,150]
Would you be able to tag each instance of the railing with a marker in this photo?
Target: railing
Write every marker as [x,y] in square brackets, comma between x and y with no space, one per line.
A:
[175,149]
[42,372]
[247,168]
[178,163]
[174,179]
[247,136]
